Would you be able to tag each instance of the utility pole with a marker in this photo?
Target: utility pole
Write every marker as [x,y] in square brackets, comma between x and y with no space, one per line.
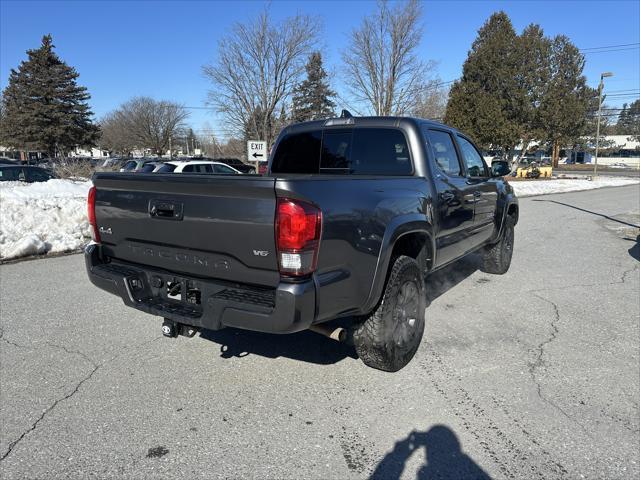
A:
[600,88]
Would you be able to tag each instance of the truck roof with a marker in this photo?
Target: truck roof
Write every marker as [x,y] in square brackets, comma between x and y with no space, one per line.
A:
[369,121]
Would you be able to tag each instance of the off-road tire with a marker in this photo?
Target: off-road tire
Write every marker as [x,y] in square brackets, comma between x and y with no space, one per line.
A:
[496,258]
[389,337]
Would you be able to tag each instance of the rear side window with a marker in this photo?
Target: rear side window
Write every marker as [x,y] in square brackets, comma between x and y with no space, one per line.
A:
[298,153]
[223,169]
[380,151]
[166,168]
[197,168]
[147,167]
[360,151]
[336,152]
[444,152]
[37,175]
[9,174]
[130,165]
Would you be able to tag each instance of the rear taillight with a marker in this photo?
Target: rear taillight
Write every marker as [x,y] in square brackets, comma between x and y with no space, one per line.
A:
[298,227]
[91,213]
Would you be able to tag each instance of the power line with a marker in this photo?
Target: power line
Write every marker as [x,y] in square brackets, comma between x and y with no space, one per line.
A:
[612,50]
[610,46]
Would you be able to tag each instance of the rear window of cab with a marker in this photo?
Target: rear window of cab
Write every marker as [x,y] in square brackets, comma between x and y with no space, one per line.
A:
[356,151]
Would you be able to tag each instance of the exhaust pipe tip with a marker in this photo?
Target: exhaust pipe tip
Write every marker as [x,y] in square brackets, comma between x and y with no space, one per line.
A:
[338,334]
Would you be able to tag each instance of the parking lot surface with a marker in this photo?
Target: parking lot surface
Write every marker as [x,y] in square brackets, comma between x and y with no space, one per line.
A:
[534,374]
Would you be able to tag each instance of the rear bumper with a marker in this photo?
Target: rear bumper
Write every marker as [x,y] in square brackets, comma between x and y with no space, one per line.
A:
[288,308]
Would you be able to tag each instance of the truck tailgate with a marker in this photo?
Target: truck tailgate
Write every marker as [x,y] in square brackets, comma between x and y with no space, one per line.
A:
[202,225]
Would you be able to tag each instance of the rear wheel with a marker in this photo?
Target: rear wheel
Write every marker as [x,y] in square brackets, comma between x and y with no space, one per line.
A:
[497,257]
[389,337]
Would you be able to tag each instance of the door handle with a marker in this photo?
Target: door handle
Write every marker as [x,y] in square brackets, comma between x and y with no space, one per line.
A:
[477,194]
[165,210]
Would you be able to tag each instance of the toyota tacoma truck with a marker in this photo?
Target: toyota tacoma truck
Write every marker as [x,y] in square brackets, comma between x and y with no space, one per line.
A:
[351,216]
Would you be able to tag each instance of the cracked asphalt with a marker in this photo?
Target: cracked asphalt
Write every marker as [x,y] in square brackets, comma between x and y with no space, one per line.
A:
[534,374]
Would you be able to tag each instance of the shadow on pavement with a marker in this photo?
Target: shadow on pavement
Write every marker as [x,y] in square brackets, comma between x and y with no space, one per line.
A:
[304,346]
[635,250]
[443,457]
[443,280]
[588,211]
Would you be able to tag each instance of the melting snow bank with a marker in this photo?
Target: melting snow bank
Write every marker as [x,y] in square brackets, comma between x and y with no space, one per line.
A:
[527,188]
[44,217]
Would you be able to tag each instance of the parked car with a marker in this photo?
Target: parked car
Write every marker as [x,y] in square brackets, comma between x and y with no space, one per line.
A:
[24,173]
[237,164]
[352,213]
[136,164]
[150,167]
[196,166]
[8,161]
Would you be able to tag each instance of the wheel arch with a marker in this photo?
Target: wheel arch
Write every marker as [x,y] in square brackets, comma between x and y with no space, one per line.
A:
[409,235]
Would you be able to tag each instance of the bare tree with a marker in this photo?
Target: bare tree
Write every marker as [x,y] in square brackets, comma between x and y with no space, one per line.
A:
[381,66]
[431,101]
[258,65]
[143,123]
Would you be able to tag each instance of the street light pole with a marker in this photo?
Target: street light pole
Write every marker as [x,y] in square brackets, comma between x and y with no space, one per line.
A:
[600,87]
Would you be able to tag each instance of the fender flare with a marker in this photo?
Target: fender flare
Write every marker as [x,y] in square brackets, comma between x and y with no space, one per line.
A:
[508,201]
[397,228]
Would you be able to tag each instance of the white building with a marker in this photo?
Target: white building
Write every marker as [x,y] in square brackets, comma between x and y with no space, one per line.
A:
[89,152]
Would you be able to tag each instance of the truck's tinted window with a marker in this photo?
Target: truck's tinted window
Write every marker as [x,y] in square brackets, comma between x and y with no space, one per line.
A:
[445,153]
[336,152]
[360,151]
[472,159]
[298,153]
[380,151]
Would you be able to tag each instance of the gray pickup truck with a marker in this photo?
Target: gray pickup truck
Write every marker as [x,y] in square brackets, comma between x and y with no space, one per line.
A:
[351,216]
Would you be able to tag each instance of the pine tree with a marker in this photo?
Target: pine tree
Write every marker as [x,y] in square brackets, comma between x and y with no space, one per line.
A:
[312,97]
[629,120]
[567,99]
[44,108]
[487,101]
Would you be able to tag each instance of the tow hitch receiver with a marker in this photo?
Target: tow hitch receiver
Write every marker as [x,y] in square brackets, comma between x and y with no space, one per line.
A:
[172,329]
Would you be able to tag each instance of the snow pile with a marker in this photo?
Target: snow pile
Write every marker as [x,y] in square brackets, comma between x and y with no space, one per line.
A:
[43,217]
[527,188]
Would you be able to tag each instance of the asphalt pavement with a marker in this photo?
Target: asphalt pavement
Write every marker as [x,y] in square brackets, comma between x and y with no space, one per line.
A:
[534,374]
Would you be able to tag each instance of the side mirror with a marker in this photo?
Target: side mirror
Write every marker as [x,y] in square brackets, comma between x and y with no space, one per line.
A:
[500,168]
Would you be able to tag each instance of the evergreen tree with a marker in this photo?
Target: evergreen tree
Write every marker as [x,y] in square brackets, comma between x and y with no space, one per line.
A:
[44,108]
[533,51]
[487,101]
[567,99]
[312,97]
[629,120]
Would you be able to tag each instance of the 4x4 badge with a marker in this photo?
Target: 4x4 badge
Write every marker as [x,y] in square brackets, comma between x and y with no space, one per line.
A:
[261,253]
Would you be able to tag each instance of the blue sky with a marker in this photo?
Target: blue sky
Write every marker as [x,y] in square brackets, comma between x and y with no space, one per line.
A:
[157,48]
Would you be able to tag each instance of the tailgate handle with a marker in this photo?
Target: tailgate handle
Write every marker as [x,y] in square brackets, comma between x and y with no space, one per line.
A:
[165,210]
